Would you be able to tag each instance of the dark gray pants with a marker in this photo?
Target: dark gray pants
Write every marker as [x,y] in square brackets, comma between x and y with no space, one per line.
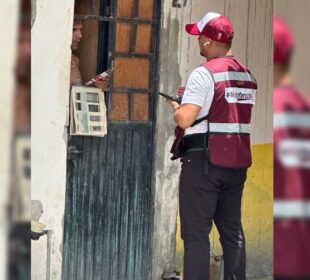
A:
[206,198]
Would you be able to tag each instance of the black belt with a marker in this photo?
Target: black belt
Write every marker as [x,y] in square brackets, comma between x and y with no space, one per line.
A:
[195,141]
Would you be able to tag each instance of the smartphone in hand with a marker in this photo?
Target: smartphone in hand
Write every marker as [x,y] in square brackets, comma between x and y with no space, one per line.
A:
[177,99]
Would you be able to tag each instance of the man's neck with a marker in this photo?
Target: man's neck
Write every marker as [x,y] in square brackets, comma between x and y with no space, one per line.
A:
[285,80]
[229,53]
[221,54]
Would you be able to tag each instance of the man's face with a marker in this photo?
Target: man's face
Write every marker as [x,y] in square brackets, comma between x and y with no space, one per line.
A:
[76,34]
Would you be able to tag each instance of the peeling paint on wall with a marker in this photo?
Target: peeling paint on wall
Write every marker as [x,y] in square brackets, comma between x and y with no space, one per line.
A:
[166,179]
[179,3]
[36,210]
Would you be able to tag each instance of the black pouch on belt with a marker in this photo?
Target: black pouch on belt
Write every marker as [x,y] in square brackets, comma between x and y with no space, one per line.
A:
[177,148]
[180,147]
[198,142]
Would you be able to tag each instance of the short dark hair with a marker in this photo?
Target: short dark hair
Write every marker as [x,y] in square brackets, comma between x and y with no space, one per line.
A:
[79,8]
[228,45]
[286,66]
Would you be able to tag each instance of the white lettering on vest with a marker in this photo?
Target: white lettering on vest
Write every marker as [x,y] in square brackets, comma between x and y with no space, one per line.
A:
[240,95]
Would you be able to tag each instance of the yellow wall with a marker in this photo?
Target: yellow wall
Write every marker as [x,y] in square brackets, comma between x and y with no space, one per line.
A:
[257,216]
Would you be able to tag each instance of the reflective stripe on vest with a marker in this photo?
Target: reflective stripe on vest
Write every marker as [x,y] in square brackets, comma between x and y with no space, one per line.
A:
[291,120]
[230,113]
[233,76]
[230,127]
[291,209]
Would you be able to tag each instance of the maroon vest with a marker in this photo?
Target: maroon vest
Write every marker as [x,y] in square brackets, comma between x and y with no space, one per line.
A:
[230,114]
[291,183]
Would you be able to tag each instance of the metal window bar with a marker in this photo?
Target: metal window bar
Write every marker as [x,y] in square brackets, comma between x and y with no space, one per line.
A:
[92,7]
[112,19]
[133,90]
[131,106]
[132,50]
[134,55]
[155,66]
[108,15]
[112,41]
[135,27]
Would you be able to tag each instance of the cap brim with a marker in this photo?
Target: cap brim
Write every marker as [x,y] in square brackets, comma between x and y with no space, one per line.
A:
[192,29]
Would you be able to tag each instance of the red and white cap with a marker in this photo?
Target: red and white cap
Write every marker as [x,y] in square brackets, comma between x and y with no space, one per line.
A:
[283,41]
[213,25]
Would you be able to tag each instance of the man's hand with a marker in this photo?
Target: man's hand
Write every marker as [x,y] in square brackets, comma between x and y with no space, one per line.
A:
[75,75]
[173,104]
[185,114]
[180,91]
[102,82]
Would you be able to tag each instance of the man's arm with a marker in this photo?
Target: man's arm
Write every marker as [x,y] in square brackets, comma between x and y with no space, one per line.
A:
[184,115]
[200,86]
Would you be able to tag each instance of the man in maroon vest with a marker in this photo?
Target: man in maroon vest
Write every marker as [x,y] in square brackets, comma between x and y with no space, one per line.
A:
[291,164]
[215,113]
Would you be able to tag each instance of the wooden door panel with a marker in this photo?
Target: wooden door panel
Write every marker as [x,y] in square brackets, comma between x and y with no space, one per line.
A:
[132,73]
[144,38]
[120,106]
[109,198]
[141,109]
[125,8]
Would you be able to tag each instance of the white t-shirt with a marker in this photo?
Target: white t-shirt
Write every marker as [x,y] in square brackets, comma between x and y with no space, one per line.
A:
[199,91]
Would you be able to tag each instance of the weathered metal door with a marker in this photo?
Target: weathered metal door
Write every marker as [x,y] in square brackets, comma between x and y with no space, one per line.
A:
[109,197]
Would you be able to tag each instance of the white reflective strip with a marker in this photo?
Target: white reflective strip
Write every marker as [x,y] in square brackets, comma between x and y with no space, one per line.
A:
[233,76]
[285,209]
[230,127]
[294,153]
[293,120]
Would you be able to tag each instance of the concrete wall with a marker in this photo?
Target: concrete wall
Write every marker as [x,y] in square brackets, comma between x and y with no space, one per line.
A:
[8,31]
[296,13]
[179,55]
[51,56]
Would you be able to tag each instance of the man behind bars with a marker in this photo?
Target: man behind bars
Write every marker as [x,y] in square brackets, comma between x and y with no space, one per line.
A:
[215,113]
[76,77]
